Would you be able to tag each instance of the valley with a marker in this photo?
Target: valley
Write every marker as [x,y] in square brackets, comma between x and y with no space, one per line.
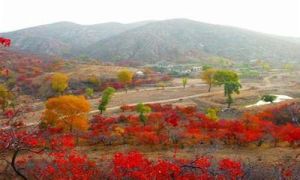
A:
[171,99]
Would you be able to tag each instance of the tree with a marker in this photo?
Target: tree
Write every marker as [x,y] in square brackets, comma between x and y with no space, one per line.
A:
[94,80]
[59,82]
[266,66]
[125,77]
[89,92]
[231,87]
[268,98]
[184,82]
[142,110]
[230,80]
[13,142]
[68,112]
[212,114]
[5,42]
[222,76]
[208,77]
[5,95]
[106,96]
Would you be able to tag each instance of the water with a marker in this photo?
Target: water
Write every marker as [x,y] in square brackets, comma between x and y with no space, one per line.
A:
[279,98]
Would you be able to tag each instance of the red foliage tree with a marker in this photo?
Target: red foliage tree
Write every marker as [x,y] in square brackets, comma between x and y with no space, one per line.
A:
[5,42]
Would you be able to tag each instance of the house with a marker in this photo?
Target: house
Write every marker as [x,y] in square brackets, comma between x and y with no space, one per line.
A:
[140,74]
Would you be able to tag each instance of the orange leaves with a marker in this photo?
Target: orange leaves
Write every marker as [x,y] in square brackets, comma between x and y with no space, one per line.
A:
[67,112]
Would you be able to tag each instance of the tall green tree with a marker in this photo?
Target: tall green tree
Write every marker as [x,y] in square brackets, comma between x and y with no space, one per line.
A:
[222,76]
[143,110]
[231,87]
[230,80]
[106,97]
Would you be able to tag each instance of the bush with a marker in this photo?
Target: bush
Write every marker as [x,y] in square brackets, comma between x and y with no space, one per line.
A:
[269,98]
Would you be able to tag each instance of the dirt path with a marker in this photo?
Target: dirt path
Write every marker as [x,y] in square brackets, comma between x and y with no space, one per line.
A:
[34,117]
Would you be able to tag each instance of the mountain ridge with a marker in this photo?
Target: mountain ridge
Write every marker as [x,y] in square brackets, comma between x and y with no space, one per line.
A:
[151,41]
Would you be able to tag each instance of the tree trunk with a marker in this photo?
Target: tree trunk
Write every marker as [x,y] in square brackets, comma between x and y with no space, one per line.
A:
[209,87]
[229,104]
[13,164]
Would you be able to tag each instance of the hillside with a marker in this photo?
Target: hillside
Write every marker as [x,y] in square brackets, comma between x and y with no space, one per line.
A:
[171,40]
[64,38]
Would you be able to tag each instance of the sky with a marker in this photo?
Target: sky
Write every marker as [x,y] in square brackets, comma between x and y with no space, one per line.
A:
[279,17]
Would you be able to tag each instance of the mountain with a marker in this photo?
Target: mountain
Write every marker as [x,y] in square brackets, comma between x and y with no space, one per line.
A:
[151,41]
[294,40]
[64,38]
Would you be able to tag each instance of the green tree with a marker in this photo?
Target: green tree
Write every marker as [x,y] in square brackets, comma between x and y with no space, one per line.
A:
[125,77]
[89,92]
[269,98]
[106,96]
[143,110]
[230,80]
[222,76]
[231,87]
[184,82]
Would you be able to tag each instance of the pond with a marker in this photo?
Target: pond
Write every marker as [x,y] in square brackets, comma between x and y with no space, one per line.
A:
[279,98]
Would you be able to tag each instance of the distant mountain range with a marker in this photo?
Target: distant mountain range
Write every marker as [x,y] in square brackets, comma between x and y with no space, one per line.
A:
[152,41]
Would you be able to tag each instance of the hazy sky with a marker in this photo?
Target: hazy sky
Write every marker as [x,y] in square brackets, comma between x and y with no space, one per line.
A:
[280,17]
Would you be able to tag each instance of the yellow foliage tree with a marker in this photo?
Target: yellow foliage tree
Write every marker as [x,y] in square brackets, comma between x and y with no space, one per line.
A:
[5,95]
[125,77]
[94,80]
[208,77]
[212,113]
[59,82]
[68,112]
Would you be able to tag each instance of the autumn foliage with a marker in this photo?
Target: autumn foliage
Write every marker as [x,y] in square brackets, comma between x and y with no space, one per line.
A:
[5,96]
[136,166]
[5,42]
[208,77]
[166,125]
[125,77]
[68,112]
[59,82]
